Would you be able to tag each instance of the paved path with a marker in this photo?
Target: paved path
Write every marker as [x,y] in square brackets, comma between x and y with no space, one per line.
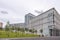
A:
[35,38]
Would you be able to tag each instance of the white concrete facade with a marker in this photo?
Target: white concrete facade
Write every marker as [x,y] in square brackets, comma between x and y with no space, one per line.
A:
[45,21]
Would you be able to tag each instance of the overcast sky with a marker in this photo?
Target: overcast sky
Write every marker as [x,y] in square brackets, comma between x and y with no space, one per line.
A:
[18,8]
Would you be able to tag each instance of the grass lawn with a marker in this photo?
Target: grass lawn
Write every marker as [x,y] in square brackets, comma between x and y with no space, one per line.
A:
[9,34]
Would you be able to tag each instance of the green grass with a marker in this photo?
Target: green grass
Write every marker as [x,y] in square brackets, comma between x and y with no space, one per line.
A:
[9,34]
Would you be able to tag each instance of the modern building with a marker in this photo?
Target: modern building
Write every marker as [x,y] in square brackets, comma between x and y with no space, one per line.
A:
[28,17]
[48,21]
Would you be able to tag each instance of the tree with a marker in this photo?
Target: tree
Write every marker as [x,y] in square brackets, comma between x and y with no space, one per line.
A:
[12,28]
[1,28]
[26,29]
[7,26]
[41,30]
[32,30]
[22,29]
[17,28]
[35,31]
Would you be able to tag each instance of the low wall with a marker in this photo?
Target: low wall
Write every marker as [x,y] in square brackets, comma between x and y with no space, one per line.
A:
[35,38]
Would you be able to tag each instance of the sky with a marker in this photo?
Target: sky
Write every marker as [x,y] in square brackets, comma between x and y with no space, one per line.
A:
[17,9]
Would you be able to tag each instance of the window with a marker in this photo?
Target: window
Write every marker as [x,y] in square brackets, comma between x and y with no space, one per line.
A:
[50,14]
[50,17]
[50,32]
[50,27]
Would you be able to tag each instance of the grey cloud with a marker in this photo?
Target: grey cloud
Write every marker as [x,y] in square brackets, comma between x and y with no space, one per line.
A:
[18,8]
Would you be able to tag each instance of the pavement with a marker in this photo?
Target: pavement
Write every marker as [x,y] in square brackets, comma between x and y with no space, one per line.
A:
[33,38]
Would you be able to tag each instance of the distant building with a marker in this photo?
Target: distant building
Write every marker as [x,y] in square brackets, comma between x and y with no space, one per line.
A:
[1,25]
[20,25]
